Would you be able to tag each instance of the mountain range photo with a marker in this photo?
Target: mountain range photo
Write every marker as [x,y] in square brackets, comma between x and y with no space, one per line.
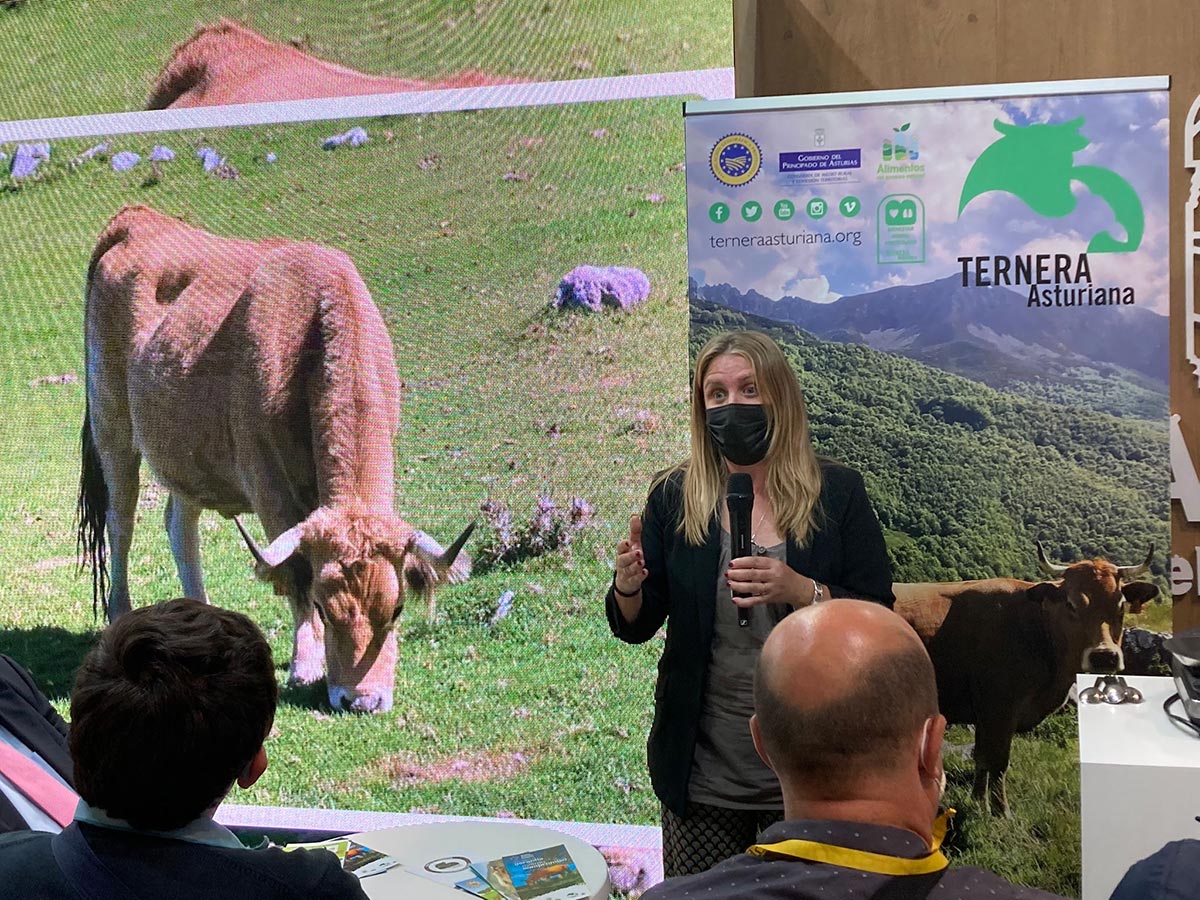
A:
[965,477]
[1110,359]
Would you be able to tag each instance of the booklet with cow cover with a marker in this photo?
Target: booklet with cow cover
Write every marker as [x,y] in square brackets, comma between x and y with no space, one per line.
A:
[480,887]
[357,858]
[549,874]
[497,876]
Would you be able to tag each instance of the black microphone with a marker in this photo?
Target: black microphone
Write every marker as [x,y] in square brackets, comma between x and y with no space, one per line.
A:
[739,498]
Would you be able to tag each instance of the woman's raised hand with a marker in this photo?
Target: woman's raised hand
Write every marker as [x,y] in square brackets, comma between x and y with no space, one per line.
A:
[630,564]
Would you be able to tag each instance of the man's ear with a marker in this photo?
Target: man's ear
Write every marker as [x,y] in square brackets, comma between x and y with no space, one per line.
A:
[756,736]
[930,761]
[254,769]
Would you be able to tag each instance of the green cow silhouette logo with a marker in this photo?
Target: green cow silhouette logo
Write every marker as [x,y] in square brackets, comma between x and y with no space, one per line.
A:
[1037,164]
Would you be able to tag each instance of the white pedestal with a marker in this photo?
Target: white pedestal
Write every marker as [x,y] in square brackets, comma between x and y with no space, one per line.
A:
[1139,782]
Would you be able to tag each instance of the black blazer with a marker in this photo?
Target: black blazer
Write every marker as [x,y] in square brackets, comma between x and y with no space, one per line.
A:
[25,711]
[846,553]
[154,867]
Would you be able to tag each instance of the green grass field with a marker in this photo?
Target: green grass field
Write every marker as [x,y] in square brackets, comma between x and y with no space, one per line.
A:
[61,58]
[503,398]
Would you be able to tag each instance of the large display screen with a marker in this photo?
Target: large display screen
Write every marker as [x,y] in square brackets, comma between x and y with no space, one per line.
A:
[544,423]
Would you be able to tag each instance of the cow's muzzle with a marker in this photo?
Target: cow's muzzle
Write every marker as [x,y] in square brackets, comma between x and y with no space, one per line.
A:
[344,699]
[1104,660]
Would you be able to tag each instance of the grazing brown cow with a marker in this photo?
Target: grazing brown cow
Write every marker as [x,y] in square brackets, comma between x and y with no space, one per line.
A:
[229,63]
[1006,652]
[255,376]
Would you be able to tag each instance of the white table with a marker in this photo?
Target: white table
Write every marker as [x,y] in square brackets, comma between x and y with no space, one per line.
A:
[1139,782]
[417,846]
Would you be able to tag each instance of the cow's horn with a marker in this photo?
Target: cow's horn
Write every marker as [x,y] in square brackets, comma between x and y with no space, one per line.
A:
[1135,571]
[446,560]
[254,551]
[1048,567]
[279,550]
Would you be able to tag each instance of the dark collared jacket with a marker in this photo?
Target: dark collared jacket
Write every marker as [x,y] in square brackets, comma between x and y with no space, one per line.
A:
[155,867]
[845,552]
[771,878]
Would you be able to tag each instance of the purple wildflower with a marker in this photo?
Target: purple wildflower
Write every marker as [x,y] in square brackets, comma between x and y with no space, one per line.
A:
[162,154]
[210,158]
[125,160]
[27,158]
[547,530]
[581,512]
[543,532]
[593,286]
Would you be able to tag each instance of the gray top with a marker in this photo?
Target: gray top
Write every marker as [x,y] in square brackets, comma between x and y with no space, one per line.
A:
[726,769]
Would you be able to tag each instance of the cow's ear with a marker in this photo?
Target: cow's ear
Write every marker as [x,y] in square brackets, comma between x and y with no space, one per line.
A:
[291,578]
[1138,594]
[418,575]
[1046,592]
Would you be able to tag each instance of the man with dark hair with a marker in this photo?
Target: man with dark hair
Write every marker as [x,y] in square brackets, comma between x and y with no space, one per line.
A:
[169,710]
[846,715]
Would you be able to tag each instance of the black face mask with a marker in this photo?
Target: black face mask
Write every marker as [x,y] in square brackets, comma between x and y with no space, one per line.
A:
[740,431]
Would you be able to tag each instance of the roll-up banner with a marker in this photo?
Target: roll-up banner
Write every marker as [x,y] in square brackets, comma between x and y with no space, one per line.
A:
[972,284]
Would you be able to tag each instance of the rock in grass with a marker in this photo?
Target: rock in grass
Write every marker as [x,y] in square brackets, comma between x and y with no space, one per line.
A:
[125,160]
[355,137]
[27,158]
[592,287]
[92,151]
[503,608]
[161,153]
[209,158]
[1144,652]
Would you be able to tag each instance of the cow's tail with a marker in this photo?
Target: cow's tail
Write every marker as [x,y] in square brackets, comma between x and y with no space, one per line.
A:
[91,513]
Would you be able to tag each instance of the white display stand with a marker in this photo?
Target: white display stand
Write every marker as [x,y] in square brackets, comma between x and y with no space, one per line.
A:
[1139,782]
[419,845]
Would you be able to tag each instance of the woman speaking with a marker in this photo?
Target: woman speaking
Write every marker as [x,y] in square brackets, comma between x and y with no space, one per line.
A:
[813,536]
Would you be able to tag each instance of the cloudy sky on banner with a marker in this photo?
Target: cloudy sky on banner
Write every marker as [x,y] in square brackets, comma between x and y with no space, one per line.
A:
[1128,134]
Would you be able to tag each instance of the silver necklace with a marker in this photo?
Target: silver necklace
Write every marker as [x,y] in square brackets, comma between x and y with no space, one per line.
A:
[757,549]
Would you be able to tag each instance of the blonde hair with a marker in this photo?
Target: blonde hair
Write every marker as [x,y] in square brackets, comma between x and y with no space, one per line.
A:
[793,473]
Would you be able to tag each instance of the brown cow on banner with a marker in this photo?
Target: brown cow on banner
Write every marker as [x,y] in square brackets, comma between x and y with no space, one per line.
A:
[1006,652]
[255,376]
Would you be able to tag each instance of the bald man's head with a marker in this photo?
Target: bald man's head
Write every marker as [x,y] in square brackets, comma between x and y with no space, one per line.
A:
[842,689]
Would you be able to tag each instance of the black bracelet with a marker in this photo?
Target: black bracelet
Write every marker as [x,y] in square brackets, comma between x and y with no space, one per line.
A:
[621,593]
